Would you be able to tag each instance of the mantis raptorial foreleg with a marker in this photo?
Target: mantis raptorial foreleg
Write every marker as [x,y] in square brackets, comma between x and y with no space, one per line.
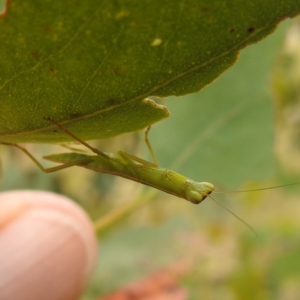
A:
[126,157]
[65,165]
[53,169]
[93,149]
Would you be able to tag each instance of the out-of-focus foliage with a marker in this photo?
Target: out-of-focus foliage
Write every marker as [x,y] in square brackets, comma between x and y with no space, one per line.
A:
[286,86]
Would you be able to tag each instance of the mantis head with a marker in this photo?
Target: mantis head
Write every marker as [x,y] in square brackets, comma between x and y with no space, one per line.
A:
[196,192]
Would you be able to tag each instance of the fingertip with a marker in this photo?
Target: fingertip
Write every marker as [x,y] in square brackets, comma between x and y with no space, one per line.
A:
[48,247]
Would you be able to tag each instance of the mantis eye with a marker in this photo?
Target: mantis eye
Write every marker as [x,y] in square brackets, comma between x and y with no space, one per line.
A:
[195,197]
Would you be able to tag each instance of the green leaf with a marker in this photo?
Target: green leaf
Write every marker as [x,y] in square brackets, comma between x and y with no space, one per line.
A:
[89,64]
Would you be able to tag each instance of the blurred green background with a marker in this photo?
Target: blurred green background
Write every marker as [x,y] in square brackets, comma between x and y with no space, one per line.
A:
[224,134]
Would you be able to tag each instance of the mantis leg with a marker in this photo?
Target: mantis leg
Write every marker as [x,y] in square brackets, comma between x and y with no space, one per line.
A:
[95,150]
[73,148]
[129,157]
[155,162]
[53,169]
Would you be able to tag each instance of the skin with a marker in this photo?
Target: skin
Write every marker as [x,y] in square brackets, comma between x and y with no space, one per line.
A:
[48,248]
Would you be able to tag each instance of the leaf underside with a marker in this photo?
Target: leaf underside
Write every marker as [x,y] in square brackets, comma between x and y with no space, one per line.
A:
[90,64]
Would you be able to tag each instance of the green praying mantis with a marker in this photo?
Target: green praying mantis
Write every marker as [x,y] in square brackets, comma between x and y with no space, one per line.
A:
[134,168]
[128,166]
